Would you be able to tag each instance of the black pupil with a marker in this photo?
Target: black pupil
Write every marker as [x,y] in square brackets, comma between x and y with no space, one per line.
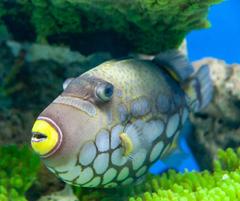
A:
[108,91]
[39,135]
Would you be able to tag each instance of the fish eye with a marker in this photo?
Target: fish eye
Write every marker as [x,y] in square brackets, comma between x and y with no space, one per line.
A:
[67,82]
[104,92]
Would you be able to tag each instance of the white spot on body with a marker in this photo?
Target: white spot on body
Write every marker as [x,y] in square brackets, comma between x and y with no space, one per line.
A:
[127,181]
[118,158]
[71,174]
[141,171]
[109,175]
[152,130]
[184,115]
[87,153]
[115,140]
[110,185]
[156,151]
[139,158]
[101,163]
[68,165]
[102,141]
[140,107]
[85,176]
[123,174]
[172,125]
[95,182]
[123,113]
[139,124]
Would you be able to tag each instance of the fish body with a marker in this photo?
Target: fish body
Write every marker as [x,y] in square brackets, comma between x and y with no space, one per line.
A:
[113,122]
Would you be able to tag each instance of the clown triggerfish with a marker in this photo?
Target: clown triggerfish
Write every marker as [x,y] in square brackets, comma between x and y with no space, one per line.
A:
[113,122]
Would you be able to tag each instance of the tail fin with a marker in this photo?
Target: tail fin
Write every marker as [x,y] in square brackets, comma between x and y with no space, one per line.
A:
[198,86]
[200,89]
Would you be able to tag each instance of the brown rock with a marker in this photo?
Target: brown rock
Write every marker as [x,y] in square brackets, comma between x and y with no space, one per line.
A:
[218,125]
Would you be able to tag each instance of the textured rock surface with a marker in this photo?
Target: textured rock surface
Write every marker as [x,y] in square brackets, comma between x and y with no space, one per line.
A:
[146,26]
[30,79]
[218,126]
[65,195]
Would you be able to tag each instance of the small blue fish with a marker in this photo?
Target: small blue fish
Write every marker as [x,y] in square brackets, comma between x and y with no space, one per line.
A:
[113,122]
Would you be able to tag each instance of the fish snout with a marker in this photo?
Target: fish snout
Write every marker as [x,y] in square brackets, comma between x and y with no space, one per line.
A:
[46,137]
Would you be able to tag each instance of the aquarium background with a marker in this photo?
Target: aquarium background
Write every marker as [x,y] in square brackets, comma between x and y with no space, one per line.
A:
[43,42]
[222,40]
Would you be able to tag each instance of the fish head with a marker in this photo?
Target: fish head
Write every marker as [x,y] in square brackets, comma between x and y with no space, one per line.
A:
[72,120]
[96,132]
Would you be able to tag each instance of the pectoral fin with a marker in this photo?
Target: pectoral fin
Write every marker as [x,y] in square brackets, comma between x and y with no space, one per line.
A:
[126,143]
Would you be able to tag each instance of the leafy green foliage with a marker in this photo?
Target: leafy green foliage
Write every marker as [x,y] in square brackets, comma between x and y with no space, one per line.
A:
[149,26]
[18,169]
[221,184]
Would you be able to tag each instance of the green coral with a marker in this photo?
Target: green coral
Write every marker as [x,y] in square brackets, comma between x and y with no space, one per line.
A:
[18,169]
[221,184]
[149,26]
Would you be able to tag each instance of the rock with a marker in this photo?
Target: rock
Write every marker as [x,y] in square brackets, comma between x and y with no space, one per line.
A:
[36,52]
[218,125]
[46,184]
[31,76]
[65,195]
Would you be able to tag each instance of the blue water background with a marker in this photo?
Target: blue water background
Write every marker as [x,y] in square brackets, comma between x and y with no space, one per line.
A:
[222,40]
[179,161]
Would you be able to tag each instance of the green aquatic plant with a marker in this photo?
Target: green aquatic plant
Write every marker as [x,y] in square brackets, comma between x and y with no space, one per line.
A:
[18,169]
[221,184]
[149,26]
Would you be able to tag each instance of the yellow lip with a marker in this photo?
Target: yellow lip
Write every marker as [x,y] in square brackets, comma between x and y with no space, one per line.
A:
[45,138]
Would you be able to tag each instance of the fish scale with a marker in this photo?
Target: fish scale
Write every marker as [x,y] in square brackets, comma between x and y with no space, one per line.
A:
[132,172]
[118,119]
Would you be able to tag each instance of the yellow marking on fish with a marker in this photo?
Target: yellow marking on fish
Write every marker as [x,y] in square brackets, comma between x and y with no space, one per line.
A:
[174,143]
[166,151]
[147,117]
[173,74]
[127,144]
[47,144]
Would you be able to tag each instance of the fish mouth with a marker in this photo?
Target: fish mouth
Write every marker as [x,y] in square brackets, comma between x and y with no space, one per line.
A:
[46,137]
[38,137]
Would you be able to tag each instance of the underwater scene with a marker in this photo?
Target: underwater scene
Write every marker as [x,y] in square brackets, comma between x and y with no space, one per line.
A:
[119,100]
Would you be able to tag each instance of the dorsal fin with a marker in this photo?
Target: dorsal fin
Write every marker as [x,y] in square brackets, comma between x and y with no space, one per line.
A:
[175,63]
